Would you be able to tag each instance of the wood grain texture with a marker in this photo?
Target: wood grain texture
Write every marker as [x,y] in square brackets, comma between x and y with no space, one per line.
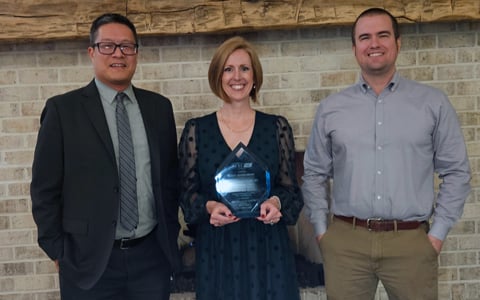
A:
[69,19]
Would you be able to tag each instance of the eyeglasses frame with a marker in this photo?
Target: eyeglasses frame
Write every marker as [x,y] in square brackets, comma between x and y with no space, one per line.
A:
[97,45]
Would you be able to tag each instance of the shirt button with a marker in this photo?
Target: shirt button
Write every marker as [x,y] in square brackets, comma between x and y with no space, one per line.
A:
[379,197]
[379,123]
[379,147]
[379,172]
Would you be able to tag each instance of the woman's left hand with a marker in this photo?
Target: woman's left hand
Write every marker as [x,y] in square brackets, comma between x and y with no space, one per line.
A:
[269,211]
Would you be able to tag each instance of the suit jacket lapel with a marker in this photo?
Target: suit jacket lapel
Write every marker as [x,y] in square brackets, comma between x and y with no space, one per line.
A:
[151,121]
[149,118]
[94,109]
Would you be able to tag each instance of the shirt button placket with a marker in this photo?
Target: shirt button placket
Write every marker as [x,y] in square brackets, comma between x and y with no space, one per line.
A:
[379,156]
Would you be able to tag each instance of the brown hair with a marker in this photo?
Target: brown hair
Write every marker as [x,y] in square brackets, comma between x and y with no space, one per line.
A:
[215,71]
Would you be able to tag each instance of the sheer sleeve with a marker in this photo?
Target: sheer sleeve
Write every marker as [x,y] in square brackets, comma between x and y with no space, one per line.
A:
[191,202]
[286,185]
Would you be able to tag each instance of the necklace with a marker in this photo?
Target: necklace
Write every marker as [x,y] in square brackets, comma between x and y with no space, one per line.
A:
[224,121]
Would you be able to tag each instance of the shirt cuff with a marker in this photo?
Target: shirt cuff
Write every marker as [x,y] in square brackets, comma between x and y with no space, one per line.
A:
[320,227]
[439,231]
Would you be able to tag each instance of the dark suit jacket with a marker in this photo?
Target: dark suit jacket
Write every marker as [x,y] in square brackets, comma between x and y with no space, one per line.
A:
[75,185]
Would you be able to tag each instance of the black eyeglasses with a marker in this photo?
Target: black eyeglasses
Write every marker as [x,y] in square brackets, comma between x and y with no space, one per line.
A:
[109,48]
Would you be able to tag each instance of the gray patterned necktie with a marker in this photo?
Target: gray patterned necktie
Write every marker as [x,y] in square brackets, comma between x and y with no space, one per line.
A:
[126,167]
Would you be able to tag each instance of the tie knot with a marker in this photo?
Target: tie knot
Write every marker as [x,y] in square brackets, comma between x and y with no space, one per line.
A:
[121,97]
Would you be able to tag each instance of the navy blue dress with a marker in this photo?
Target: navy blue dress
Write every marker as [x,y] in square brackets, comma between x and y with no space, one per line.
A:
[248,259]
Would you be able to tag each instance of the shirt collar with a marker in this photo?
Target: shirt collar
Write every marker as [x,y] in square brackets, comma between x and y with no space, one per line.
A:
[109,94]
[391,86]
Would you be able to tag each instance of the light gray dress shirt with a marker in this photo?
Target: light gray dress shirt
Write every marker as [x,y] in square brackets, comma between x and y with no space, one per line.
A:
[382,152]
[146,203]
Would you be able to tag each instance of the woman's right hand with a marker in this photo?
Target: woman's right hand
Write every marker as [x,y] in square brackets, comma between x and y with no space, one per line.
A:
[220,214]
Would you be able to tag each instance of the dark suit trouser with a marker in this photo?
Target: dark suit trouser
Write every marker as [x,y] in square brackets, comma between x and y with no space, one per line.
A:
[138,273]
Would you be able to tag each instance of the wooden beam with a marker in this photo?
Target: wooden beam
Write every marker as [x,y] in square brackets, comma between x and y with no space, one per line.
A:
[25,20]
[52,19]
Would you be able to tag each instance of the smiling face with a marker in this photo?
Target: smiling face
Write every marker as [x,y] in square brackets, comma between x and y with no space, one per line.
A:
[375,47]
[115,70]
[237,77]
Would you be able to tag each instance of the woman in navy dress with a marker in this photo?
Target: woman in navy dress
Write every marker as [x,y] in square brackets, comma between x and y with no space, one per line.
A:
[250,258]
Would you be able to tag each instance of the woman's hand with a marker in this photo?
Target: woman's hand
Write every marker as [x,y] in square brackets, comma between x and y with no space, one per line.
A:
[220,214]
[270,211]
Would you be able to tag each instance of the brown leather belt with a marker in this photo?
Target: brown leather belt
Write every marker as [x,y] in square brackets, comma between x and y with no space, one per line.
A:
[377,224]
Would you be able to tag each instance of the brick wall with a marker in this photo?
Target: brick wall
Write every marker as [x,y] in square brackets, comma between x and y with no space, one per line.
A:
[301,68]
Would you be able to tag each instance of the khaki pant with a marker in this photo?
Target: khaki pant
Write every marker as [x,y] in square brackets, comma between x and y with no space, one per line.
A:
[355,259]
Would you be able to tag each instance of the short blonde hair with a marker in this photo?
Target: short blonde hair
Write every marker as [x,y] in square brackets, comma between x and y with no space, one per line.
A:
[217,64]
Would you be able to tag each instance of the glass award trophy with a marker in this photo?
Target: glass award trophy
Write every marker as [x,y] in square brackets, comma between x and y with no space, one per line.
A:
[243,182]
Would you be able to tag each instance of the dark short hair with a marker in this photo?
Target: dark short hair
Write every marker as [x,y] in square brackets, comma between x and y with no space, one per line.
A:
[215,71]
[107,19]
[377,11]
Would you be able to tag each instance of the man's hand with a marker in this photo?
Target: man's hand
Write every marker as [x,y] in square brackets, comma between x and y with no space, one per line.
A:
[436,243]
[319,237]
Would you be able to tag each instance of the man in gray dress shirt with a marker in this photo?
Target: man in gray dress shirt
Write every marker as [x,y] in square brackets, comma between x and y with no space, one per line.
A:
[381,141]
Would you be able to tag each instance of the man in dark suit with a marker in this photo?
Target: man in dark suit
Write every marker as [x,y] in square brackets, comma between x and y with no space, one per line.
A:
[109,238]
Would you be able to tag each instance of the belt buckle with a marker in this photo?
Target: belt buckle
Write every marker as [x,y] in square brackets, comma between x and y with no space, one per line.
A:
[123,247]
[369,220]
